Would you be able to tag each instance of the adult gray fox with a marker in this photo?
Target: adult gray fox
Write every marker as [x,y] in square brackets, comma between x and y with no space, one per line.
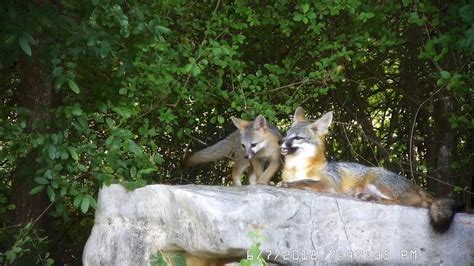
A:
[306,167]
[252,146]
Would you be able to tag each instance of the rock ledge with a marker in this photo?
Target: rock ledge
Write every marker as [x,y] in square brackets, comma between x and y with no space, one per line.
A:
[301,227]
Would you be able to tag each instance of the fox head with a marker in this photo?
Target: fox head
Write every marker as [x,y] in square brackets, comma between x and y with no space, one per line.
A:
[306,138]
[253,135]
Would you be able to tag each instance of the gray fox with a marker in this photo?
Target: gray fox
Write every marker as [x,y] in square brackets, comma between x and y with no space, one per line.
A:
[306,167]
[254,144]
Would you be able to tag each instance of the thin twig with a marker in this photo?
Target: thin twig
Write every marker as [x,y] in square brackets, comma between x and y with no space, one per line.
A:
[447,184]
[217,6]
[41,215]
[291,85]
[350,144]
[198,140]
[410,153]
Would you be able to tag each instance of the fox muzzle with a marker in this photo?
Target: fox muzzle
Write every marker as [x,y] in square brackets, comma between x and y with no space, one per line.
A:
[249,154]
[287,147]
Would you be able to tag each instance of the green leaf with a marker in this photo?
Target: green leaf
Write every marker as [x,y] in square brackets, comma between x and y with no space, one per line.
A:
[104,49]
[36,190]
[179,260]
[10,255]
[255,252]
[77,200]
[52,152]
[71,65]
[76,111]
[220,119]
[49,262]
[110,122]
[305,8]
[187,68]
[51,194]
[133,172]
[445,74]
[369,15]
[73,153]
[73,86]
[298,17]
[122,111]
[54,138]
[23,40]
[48,174]
[85,204]
[133,147]
[163,29]
[64,155]
[158,260]
[195,70]
[59,81]
[41,180]
[467,13]
[92,201]
[58,71]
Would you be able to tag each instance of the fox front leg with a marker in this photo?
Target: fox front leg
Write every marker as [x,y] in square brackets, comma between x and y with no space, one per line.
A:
[257,171]
[237,170]
[272,168]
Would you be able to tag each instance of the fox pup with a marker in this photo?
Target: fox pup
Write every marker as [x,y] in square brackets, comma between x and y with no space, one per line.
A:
[306,167]
[254,144]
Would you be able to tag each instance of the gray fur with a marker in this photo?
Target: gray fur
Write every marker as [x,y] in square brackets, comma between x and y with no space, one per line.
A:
[222,149]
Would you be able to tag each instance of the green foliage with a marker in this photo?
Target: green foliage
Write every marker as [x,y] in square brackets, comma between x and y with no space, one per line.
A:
[161,259]
[254,254]
[467,15]
[27,240]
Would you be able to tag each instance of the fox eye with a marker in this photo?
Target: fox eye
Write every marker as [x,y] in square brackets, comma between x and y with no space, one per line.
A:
[243,146]
[253,145]
[297,138]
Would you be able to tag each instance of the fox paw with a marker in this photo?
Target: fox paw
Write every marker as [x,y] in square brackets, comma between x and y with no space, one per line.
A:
[366,197]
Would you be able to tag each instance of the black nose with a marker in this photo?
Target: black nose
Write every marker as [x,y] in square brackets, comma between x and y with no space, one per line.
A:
[288,143]
[246,156]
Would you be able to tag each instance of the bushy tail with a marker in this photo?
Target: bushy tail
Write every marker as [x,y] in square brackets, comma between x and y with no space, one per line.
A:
[220,150]
[441,214]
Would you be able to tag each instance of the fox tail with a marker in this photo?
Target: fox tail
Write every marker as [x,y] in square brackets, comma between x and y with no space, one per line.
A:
[222,149]
[441,213]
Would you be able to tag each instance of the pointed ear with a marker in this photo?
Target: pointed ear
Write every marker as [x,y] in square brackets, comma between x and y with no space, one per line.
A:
[298,116]
[239,123]
[321,125]
[260,122]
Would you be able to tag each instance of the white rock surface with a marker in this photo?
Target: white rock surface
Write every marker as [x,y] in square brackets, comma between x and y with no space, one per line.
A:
[302,227]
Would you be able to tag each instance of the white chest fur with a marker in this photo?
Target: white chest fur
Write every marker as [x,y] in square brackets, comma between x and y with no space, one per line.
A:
[296,168]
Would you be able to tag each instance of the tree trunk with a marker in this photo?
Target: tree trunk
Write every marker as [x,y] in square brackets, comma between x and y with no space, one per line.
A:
[443,147]
[36,95]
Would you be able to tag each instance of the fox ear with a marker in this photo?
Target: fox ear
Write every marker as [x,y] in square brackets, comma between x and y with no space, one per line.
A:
[298,116]
[260,122]
[239,123]
[321,125]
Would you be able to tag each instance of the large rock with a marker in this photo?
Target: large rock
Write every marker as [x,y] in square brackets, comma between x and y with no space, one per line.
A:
[302,227]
